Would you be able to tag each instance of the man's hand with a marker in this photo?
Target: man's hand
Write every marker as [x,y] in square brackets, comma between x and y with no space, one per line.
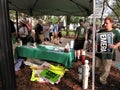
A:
[113,46]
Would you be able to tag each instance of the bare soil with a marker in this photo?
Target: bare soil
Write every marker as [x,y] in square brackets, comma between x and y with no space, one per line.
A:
[69,81]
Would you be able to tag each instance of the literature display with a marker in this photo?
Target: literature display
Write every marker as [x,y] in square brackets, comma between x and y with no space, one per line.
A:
[104,40]
[50,76]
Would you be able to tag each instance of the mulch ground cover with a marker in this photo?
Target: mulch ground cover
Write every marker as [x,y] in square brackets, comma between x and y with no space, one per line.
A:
[69,81]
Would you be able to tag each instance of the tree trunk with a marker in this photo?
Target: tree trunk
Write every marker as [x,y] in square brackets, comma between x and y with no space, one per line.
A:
[68,23]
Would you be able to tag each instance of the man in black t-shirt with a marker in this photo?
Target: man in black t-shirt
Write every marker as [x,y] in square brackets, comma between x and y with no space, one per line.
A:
[39,32]
[60,27]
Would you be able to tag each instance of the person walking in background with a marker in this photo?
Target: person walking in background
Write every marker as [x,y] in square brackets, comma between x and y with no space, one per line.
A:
[29,26]
[39,32]
[90,31]
[60,27]
[23,32]
[80,37]
[55,33]
[104,60]
[46,31]
[90,38]
[51,31]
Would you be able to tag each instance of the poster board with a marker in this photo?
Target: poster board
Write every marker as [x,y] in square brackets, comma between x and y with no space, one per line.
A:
[104,40]
[50,76]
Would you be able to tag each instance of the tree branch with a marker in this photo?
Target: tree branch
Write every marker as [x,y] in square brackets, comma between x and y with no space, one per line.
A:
[117,2]
[106,1]
[102,12]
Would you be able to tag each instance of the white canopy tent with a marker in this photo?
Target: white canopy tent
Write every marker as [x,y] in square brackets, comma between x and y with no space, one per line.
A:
[58,7]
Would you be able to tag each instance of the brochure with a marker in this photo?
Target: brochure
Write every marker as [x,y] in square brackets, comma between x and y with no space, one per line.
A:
[50,76]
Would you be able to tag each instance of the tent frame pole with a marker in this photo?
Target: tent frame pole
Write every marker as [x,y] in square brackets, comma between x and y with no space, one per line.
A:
[7,72]
[93,54]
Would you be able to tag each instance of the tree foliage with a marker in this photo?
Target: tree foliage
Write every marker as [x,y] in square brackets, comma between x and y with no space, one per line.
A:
[115,8]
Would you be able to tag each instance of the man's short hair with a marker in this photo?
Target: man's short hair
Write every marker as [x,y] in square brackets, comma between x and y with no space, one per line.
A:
[109,18]
[81,20]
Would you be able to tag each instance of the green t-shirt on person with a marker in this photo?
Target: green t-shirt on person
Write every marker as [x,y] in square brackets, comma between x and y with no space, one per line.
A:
[116,38]
[80,31]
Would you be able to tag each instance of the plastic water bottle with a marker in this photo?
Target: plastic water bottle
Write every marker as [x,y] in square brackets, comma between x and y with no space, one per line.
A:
[67,48]
[71,44]
[86,69]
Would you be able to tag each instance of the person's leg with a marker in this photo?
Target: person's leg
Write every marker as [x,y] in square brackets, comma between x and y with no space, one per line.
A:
[77,54]
[81,47]
[55,38]
[50,35]
[60,36]
[24,41]
[106,70]
[51,39]
[41,36]
[77,50]
[98,65]
[80,54]
[81,50]
[97,62]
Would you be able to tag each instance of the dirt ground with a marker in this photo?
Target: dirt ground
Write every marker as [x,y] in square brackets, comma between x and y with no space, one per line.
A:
[69,81]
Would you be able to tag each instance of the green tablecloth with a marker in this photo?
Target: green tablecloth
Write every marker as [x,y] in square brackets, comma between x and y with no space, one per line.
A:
[45,52]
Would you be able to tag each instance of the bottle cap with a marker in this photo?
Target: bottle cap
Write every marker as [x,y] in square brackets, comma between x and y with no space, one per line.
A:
[86,61]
